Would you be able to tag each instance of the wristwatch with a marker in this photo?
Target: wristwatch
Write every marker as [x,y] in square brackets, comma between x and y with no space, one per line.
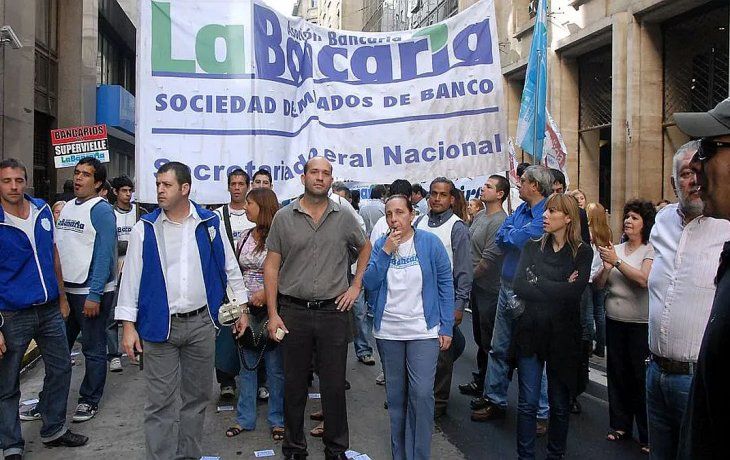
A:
[618,263]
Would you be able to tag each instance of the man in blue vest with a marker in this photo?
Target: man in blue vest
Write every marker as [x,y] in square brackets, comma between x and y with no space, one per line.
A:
[176,270]
[32,307]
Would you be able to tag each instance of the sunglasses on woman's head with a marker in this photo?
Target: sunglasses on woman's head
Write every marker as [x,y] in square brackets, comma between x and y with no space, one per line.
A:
[708,148]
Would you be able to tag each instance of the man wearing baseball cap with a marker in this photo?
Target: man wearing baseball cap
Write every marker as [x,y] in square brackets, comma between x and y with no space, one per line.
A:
[706,423]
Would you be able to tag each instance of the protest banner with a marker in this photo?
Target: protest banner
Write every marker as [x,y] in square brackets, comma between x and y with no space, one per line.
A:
[72,144]
[232,83]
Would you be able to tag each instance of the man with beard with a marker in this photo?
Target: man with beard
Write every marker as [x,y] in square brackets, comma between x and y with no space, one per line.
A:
[681,288]
[705,422]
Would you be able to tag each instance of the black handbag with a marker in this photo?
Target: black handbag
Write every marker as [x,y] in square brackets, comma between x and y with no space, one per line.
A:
[256,335]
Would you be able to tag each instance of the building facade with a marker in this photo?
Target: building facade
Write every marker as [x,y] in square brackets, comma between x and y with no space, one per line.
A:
[76,67]
[617,71]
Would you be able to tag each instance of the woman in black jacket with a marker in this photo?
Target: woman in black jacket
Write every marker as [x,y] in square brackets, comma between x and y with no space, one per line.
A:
[551,276]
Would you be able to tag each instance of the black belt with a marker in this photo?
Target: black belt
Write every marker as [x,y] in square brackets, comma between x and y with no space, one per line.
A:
[673,367]
[190,313]
[327,304]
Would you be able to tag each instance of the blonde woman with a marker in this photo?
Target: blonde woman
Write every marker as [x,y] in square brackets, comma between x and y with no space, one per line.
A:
[551,276]
[472,209]
[580,197]
[601,236]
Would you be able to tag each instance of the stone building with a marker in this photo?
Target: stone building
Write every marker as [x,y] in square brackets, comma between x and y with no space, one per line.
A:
[617,71]
[76,67]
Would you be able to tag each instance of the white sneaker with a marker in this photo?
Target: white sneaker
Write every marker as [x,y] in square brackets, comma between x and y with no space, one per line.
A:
[380,379]
[115,365]
[263,393]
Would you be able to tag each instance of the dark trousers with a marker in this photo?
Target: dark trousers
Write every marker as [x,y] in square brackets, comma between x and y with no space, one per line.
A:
[327,331]
[444,370]
[483,311]
[93,344]
[628,348]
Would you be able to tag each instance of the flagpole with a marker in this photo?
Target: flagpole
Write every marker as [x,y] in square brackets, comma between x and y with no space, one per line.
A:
[537,101]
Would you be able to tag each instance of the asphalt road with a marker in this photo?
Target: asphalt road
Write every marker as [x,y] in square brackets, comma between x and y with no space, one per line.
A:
[116,431]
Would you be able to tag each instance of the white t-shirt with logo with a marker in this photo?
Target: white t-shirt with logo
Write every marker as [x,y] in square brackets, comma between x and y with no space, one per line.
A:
[239,222]
[403,317]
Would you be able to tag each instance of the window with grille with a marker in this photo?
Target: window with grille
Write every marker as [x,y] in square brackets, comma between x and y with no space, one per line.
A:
[696,60]
[41,156]
[594,76]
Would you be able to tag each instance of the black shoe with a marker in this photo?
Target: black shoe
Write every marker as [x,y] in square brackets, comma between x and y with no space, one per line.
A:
[347,385]
[14,457]
[471,388]
[478,403]
[341,456]
[600,352]
[575,407]
[295,457]
[68,439]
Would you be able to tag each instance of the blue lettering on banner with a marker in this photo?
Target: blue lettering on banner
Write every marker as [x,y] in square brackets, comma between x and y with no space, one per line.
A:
[293,62]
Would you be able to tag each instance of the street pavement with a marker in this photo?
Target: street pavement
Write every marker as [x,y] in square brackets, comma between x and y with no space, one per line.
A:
[116,431]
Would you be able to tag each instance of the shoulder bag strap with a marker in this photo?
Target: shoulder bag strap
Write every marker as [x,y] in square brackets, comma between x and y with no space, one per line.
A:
[227,223]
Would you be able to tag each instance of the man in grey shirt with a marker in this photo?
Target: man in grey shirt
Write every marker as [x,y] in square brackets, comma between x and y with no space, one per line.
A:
[486,258]
[306,275]
[374,208]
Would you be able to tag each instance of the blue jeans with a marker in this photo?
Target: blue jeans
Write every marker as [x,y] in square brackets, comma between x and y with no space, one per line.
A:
[112,339]
[44,324]
[112,332]
[595,315]
[531,372]
[666,401]
[248,387]
[363,327]
[411,369]
[93,344]
[497,379]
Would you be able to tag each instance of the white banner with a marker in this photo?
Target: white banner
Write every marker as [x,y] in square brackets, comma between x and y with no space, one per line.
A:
[223,84]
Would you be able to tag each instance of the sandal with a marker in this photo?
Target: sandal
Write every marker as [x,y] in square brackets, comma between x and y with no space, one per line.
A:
[317,431]
[318,416]
[277,433]
[615,436]
[235,430]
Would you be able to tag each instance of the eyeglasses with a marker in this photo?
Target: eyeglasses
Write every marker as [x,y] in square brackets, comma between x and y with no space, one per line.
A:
[708,148]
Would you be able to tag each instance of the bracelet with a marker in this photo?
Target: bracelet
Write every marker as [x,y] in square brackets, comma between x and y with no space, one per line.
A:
[2,320]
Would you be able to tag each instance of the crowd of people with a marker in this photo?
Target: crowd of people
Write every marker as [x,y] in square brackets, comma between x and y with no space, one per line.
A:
[274,294]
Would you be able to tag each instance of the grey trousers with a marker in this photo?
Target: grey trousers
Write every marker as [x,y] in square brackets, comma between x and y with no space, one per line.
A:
[184,365]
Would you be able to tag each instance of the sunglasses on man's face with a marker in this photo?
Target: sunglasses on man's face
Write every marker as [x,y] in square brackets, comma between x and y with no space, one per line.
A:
[708,148]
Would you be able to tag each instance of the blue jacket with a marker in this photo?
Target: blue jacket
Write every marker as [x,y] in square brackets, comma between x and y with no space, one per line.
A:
[517,229]
[27,276]
[153,315]
[438,281]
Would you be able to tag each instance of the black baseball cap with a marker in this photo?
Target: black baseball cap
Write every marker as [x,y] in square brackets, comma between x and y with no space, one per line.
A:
[713,123]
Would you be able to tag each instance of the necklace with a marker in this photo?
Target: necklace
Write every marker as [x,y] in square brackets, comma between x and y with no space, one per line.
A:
[409,249]
[629,250]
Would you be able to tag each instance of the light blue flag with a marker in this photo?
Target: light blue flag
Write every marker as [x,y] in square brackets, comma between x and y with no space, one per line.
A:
[532,119]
